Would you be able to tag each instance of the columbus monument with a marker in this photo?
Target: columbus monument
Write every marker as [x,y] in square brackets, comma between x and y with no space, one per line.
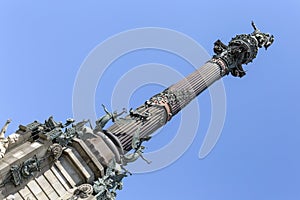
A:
[78,160]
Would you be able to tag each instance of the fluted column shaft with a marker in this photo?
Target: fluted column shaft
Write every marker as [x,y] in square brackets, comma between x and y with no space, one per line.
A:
[161,107]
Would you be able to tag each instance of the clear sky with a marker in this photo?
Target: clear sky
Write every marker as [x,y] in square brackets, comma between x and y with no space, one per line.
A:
[43,45]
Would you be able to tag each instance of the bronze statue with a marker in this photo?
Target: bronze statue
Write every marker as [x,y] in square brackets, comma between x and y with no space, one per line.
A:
[138,149]
[101,122]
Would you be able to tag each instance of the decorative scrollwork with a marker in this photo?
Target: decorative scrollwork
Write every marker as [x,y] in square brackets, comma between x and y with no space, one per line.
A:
[84,191]
[56,150]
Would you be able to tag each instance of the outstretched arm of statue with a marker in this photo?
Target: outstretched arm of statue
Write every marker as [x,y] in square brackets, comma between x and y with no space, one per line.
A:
[105,109]
[4,128]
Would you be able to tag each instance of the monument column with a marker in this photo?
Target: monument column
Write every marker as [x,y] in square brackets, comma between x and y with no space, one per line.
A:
[160,108]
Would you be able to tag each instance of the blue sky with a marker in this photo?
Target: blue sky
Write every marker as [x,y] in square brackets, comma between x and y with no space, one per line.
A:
[43,44]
